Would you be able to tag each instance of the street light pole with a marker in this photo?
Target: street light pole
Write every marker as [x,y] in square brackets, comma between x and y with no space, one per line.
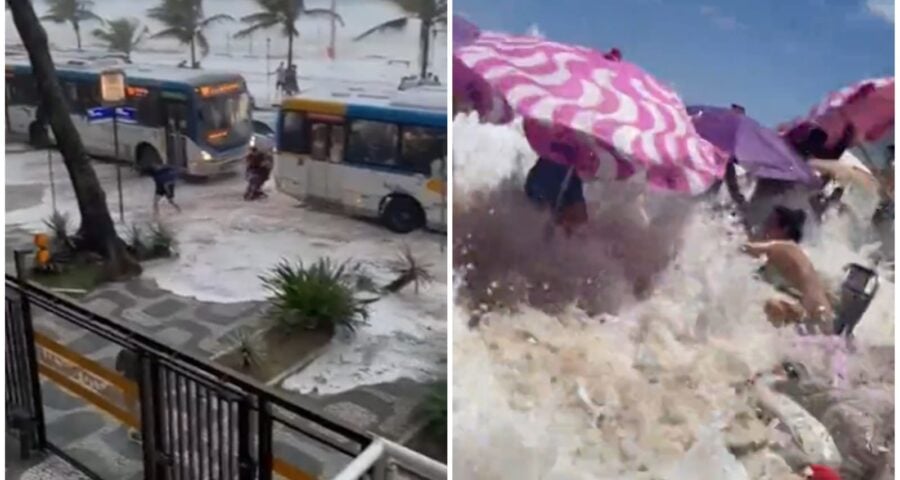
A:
[112,92]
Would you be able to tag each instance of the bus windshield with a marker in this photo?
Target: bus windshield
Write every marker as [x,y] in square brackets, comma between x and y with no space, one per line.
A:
[225,119]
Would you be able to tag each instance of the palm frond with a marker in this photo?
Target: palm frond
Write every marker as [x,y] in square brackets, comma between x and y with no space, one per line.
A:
[54,18]
[260,17]
[176,33]
[259,26]
[222,17]
[323,12]
[85,15]
[395,24]
[202,43]
[101,34]
[141,36]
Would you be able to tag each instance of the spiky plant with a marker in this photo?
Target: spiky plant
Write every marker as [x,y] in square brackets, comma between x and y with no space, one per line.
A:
[58,223]
[162,240]
[316,297]
[409,270]
[249,346]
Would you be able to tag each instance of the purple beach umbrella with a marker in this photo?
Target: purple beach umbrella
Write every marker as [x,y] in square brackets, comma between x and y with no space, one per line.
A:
[759,150]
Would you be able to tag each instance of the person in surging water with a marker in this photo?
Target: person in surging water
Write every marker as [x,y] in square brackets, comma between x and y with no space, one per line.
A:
[259,167]
[279,78]
[164,177]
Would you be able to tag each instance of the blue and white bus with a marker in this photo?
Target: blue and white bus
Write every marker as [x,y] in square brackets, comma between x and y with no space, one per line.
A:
[194,120]
[382,161]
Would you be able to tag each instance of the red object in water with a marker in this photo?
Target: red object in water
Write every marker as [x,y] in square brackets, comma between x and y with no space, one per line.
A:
[820,472]
[613,55]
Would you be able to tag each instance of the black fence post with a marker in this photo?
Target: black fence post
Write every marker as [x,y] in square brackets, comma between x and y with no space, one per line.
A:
[245,460]
[150,394]
[264,445]
[31,352]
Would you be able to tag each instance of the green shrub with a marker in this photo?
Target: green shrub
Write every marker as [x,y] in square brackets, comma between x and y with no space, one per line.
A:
[409,270]
[320,296]
[435,410]
[250,348]
[162,240]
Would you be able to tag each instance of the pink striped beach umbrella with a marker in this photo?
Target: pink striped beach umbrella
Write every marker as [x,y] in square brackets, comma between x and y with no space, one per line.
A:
[606,118]
[868,105]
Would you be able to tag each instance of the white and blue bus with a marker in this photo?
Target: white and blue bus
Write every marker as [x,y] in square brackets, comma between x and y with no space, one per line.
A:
[196,121]
[383,161]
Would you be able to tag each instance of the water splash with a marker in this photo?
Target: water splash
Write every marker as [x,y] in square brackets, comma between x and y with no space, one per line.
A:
[548,391]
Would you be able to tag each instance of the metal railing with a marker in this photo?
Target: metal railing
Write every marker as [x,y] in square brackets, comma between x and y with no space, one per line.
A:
[197,420]
[385,460]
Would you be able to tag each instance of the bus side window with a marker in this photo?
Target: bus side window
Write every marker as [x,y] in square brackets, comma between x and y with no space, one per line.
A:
[421,146]
[373,143]
[338,133]
[294,134]
[320,134]
[146,105]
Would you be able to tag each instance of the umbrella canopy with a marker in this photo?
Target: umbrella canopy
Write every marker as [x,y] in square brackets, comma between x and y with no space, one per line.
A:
[464,32]
[596,113]
[759,150]
[867,105]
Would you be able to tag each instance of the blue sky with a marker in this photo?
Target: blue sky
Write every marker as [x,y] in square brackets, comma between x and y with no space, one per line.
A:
[775,57]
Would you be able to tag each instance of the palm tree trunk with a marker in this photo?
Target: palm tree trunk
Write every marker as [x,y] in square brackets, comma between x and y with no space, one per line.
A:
[77,34]
[97,232]
[425,45]
[290,50]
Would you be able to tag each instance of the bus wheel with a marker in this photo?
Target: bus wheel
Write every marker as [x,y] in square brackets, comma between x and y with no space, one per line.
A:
[37,136]
[402,214]
[148,158]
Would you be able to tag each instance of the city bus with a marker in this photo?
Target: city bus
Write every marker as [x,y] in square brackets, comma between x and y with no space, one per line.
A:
[196,121]
[382,161]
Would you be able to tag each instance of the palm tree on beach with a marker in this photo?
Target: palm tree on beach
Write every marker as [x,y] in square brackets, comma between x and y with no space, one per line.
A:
[185,22]
[431,14]
[73,12]
[284,13]
[122,35]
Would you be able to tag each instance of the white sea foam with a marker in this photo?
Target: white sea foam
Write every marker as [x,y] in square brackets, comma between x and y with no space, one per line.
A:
[623,396]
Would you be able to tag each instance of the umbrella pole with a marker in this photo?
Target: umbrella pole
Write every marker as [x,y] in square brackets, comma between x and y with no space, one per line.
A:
[557,205]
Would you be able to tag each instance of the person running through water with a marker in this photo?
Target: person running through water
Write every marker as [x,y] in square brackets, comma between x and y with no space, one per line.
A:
[164,177]
[279,78]
[259,167]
